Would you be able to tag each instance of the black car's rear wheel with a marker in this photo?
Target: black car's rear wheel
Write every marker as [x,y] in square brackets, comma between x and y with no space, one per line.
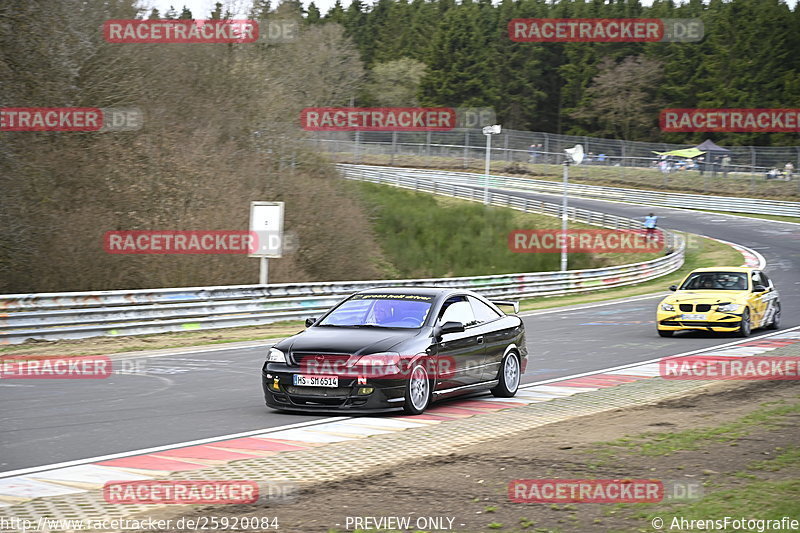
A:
[509,377]
[418,391]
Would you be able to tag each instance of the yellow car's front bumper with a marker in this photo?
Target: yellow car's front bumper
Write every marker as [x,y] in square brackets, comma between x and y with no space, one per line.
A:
[711,321]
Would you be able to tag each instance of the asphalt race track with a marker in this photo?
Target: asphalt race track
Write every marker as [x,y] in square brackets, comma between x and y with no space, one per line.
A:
[217,391]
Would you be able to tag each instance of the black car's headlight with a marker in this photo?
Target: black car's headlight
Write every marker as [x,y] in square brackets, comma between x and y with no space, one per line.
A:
[276,356]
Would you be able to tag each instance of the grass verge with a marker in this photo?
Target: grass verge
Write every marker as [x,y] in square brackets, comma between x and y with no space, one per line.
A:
[651,444]
[701,252]
[428,236]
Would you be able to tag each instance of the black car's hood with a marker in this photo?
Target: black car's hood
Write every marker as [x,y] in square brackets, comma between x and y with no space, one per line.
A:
[353,341]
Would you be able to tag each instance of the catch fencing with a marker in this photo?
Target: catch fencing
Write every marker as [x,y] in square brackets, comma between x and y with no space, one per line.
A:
[759,170]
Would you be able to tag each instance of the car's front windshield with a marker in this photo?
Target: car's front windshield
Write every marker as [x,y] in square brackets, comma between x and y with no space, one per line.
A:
[716,281]
[381,310]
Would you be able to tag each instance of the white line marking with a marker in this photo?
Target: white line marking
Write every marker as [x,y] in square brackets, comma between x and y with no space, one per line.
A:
[567,308]
[633,365]
[259,432]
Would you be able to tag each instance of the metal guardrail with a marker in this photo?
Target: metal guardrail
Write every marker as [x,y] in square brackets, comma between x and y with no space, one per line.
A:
[639,196]
[52,316]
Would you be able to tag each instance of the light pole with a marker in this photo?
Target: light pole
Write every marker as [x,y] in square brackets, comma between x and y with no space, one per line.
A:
[574,155]
[488,131]
[564,197]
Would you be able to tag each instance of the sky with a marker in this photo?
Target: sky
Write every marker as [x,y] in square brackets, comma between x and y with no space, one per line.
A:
[201,8]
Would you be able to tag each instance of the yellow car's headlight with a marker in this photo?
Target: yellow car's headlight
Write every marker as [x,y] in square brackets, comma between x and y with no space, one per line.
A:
[728,308]
[667,307]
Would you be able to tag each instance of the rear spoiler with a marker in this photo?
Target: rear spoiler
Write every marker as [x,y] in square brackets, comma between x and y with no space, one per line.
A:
[499,303]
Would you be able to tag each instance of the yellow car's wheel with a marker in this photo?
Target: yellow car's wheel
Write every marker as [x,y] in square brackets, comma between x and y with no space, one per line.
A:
[776,319]
[744,327]
[665,333]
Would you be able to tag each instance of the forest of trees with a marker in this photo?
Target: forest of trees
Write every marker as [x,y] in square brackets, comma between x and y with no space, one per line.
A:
[221,121]
[218,132]
[749,58]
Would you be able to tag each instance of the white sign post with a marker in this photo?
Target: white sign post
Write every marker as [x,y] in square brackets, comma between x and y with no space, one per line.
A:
[488,131]
[266,226]
[574,155]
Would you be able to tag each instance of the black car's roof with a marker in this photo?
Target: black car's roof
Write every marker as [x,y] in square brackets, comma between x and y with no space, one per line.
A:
[423,291]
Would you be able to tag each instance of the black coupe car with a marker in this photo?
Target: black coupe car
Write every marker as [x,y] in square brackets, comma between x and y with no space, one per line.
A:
[397,348]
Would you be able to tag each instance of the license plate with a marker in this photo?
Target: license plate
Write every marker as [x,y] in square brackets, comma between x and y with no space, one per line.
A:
[315,381]
[693,317]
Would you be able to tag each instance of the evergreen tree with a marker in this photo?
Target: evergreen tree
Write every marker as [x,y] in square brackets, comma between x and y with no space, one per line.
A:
[459,72]
[336,14]
[314,16]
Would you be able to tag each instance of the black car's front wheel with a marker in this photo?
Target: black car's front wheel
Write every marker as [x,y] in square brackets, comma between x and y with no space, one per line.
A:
[508,378]
[418,391]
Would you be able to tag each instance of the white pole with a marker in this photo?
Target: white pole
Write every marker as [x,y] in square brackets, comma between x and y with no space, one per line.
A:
[564,217]
[488,162]
[264,271]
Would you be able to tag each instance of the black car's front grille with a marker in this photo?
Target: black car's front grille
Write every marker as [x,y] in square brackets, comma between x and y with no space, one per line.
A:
[320,360]
[322,392]
[687,308]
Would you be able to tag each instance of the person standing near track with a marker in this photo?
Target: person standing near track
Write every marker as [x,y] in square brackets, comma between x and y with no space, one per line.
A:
[650,222]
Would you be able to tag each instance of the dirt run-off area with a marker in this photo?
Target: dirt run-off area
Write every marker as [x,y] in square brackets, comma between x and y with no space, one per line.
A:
[736,443]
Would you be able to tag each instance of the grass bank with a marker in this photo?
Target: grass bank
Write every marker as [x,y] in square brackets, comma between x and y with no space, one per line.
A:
[424,236]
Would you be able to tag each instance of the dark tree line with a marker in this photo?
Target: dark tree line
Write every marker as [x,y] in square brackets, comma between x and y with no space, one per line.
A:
[749,58]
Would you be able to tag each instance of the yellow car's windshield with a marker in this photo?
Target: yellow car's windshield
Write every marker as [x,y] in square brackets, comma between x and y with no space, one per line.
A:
[716,281]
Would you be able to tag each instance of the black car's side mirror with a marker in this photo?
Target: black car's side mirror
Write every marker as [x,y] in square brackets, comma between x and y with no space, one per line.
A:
[449,327]
[310,321]
[759,288]
[673,287]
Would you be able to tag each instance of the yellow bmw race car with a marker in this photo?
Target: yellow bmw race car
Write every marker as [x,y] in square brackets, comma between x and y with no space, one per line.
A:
[722,299]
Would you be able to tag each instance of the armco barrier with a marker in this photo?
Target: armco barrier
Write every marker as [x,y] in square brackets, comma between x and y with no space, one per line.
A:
[52,316]
[638,196]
